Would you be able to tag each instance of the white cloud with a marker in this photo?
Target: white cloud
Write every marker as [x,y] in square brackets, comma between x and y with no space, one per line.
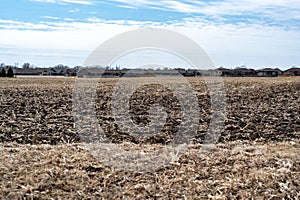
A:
[18,25]
[81,2]
[126,6]
[63,42]
[227,44]
[253,46]
[49,17]
[69,19]
[179,6]
[277,10]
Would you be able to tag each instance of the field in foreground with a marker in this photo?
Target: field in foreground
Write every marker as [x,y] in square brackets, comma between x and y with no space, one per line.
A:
[257,154]
[231,170]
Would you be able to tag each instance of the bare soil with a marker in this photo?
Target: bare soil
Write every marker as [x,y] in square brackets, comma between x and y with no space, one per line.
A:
[257,155]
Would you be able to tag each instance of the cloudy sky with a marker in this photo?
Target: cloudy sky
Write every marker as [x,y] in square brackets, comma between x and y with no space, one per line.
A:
[254,33]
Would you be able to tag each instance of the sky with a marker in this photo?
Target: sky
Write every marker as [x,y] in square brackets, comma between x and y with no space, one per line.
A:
[252,33]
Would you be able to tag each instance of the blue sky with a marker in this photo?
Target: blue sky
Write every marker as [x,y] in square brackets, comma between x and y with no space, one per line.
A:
[248,32]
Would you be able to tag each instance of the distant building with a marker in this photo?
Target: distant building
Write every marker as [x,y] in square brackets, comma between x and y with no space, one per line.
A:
[225,72]
[295,71]
[112,73]
[180,70]
[100,72]
[44,72]
[269,72]
[210,72]
[28,71]
[244,72]
[90,72]
[62,72]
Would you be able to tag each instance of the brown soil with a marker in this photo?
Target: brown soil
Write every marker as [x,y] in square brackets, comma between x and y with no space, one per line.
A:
[257,155]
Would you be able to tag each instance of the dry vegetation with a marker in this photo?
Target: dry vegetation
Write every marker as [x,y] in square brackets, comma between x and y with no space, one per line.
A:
[257,155]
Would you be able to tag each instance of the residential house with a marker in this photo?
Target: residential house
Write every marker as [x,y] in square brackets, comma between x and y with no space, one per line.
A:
[269,72]
[112,73]
[242,71]
[28,71]
[225,72]
[94,72]
[294,71]
[210,72]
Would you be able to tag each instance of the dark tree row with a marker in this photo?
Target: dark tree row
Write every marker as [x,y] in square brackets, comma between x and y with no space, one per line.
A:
[8,73]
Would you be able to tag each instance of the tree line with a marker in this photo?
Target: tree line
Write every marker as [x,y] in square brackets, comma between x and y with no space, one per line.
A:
[7,72]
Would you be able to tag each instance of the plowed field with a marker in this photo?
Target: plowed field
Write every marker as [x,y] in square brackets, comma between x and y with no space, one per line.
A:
[256,156]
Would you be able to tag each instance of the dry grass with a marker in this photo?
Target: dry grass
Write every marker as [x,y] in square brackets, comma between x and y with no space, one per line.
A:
[257,157]
[231,170]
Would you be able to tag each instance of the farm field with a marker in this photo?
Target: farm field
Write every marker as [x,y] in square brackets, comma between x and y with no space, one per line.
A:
[257,155]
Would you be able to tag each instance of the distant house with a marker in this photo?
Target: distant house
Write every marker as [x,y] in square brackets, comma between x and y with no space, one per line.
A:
[184,72]
[70,72]
[112,73]
[167,72]
[56,71]
[45,72]
[279,71]
[90,72]
[269,72]
[225,72]
[28,71]
[60,72]
[191,72]
[294,71]
[210,72]
[180,70]
[244,72]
